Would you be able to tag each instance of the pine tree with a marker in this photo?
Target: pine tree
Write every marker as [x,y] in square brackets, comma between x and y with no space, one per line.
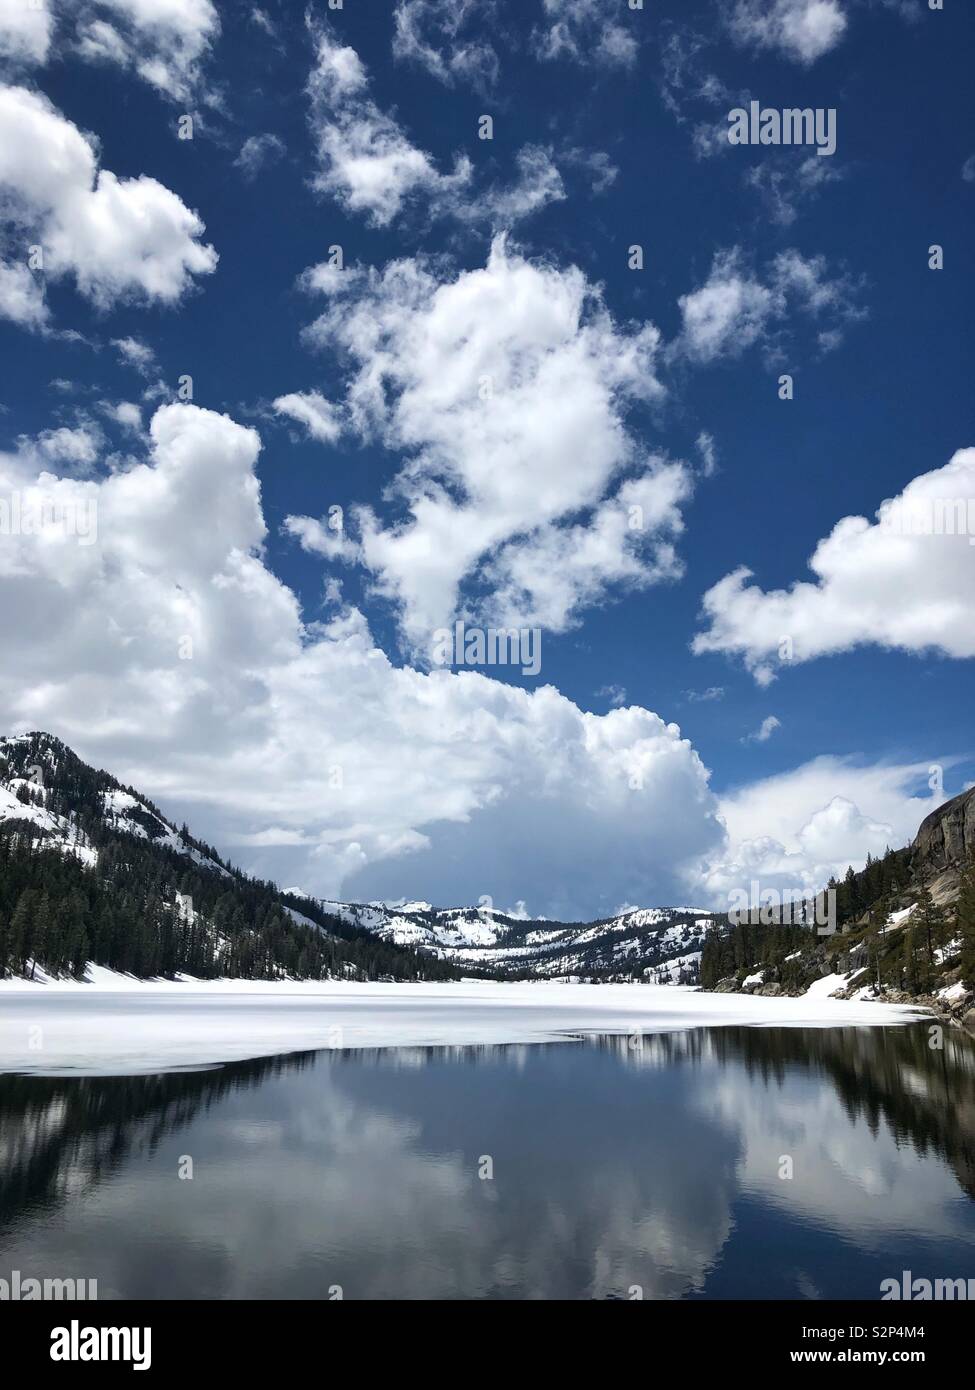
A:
[851,895]
[930,921]
[41,940]
[966,924]
[21,931]
[78,952]
[907,961]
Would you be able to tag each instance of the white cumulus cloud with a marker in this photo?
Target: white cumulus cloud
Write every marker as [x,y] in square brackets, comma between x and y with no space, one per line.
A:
[367,161]
[507,390]
[118,239]
[25,30]
[22,297]
[168,651]
[737,308]
[165,42]
[369,164]
[905,581]
[796,829]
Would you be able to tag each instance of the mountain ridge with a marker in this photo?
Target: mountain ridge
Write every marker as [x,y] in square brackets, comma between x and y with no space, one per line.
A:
[92,871]
[661,944]
[76,845]
[51,799]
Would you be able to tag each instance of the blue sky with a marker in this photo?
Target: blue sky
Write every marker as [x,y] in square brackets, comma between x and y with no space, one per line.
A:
[275,737]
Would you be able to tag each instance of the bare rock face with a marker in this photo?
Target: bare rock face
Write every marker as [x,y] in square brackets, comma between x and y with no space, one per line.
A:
[947,836]
[944,886]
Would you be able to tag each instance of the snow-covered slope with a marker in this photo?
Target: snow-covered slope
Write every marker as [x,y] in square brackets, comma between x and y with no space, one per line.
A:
[33,773]
[123,811]
[661,944]
[53,828]
[162,902]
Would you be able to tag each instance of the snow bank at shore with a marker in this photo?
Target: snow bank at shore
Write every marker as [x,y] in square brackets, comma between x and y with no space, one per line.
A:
[116,1025]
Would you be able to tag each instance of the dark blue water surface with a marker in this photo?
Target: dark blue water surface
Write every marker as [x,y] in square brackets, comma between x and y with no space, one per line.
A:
[573,1170]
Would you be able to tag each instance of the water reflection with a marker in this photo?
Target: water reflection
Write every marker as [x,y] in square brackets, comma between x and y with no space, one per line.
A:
[653,1163]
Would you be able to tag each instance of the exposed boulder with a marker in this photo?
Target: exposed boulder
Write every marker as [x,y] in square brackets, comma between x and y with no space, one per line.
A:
[947,836]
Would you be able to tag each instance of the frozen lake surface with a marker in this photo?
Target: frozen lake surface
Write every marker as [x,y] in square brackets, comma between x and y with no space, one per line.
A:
[117,1025]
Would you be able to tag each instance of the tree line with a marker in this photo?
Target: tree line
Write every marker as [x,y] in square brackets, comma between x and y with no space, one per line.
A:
[912,958]
[58,914]
[110,896]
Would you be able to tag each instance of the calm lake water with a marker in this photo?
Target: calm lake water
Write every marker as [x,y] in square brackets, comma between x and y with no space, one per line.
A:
[613,1168]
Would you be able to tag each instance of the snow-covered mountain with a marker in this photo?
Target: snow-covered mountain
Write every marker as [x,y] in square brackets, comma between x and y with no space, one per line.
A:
[65,805]
[660,944]
[91,872]
[33,771]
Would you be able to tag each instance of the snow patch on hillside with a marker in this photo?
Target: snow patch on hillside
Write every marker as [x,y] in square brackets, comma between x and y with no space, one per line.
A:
[57,831]
[127,813]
